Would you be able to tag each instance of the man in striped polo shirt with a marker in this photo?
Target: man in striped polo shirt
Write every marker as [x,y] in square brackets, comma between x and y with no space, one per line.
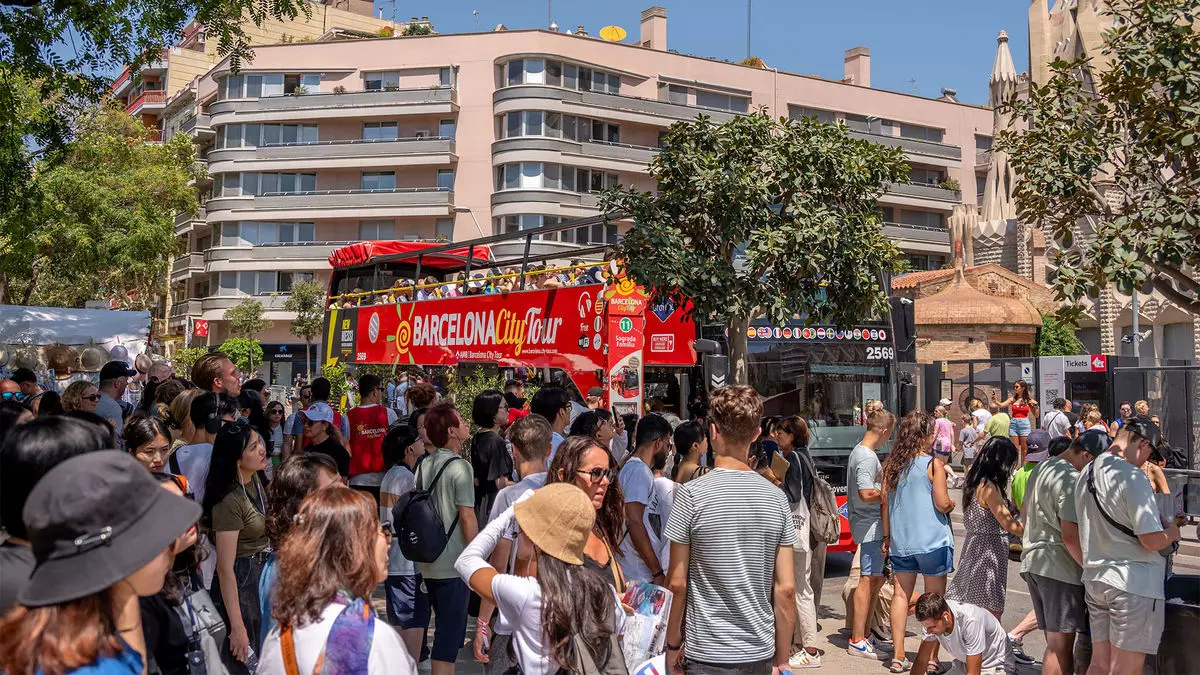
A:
[731,537]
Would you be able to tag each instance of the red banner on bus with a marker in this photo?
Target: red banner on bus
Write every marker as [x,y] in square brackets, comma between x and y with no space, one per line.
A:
[556,328]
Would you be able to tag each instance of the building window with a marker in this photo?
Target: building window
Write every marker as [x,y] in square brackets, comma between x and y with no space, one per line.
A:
[920,133]
[923,219]
[889,214]
[265,135]
[983,142]
[252,283]
[538,175]
[444,78]
[379,131]
[677,94]
[1004,350]
[261,233]
[378,180]
[445,179]
[823,116]
[980,186]
[717,101]
[443,228]
[251,184]
[266,84]
[924,176]
[920,262]
[447,128]
[557,125]
[289,279]
[382,80]
[560,74]
[376,229]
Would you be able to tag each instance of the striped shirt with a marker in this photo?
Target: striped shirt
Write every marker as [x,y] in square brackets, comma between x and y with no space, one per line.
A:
[735,522]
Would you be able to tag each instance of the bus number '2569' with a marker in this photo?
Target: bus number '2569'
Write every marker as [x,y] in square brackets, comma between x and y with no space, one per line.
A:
[880,353]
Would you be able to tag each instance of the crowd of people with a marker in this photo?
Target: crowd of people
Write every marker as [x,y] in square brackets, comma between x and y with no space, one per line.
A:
[488,282]
[206,530]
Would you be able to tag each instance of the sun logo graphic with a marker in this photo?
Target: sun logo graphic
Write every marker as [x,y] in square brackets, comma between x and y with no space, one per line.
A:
[403,336]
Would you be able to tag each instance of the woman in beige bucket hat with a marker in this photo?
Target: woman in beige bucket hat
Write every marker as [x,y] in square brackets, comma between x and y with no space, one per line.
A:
[562,614]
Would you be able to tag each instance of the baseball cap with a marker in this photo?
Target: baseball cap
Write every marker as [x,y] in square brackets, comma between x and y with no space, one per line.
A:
[94,520]
[944,401]
[1142,426]
[1038,444]
[595,392]
[318,412]
[114,369]
[1094,442]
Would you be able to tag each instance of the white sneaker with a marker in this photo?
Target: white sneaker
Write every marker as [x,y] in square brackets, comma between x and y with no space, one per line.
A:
[864,649]
[802,659]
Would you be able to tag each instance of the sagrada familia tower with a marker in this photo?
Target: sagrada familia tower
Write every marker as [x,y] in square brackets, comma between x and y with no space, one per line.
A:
[1072,29]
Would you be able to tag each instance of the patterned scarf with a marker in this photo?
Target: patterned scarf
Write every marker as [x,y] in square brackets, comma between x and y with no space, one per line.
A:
[348,647]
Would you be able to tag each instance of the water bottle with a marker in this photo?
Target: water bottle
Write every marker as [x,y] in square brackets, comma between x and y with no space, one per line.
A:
[251,660]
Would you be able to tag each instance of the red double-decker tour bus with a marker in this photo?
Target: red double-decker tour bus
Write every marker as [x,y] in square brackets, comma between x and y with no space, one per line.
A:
[508,305]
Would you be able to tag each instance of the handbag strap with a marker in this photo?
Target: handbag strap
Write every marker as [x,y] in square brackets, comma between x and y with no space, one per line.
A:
[1091,486]
[287,647]
[618,576]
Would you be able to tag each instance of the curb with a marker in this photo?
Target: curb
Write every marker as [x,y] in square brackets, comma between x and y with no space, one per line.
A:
[1186,548]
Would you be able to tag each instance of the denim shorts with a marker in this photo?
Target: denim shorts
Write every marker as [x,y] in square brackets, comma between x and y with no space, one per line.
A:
[870,558]
[936,563]
[449,599]
[407,602]
[1018,426]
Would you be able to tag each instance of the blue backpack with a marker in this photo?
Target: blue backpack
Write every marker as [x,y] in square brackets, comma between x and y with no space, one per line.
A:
[419,531]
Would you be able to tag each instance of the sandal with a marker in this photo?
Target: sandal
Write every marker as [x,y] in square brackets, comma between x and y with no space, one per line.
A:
[936,669]
[898,666]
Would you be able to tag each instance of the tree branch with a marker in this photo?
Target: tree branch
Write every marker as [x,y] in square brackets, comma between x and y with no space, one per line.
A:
[1174,273]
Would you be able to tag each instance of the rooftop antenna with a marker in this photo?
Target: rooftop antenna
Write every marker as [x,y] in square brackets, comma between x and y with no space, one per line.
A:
[549,5]
[749,14]
[474,13]
[912,83]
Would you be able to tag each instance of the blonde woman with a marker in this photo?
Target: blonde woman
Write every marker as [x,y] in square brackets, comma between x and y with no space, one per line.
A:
[180,422]
[81,395]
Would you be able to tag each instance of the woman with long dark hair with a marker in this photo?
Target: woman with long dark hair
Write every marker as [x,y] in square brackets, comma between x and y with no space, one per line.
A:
[148,440]
[916,523]
[564,615]
[988,520]
[595,424]
[691,443]
[235,510]
[297,477]
[489,454]
[792,435]
[275,417]
[1024,409]
[50,404]
[581,461]
[334,556]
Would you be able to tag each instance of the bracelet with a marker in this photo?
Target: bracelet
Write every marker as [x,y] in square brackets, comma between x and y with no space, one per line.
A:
[659,573]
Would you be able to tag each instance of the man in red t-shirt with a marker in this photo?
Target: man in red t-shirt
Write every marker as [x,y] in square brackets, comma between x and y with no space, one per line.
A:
[369,422]
[514,395]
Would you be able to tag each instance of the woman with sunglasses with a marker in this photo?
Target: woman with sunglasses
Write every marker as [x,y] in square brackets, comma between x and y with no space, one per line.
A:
[275,415]
[81,395]
[148,440]
[235,510]
[333,558]
[582,461]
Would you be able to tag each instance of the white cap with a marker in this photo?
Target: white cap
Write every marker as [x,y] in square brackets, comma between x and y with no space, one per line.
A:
[318,412]
[944,401]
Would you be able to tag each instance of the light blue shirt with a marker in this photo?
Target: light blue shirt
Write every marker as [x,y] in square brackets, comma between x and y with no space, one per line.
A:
[916,525]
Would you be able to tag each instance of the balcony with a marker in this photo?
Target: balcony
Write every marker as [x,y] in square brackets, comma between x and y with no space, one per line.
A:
[185,308]
[333,204]
[607,106]
[305,256]
[198,126]
[348,154]
[186,265]
[921,195]
[186,222]
[913,146]
[918,238]
[149,100]
[591,154]
[544,201]
[213,307]
[307,107]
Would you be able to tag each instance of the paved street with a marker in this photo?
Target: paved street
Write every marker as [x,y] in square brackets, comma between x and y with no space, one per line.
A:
[832,613]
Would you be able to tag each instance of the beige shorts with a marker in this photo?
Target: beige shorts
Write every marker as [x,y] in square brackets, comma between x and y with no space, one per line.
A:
[1130,622]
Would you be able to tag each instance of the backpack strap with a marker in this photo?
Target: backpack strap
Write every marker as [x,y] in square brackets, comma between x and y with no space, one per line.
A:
[1091,486]
[287,648]
[173,463]
[436,477]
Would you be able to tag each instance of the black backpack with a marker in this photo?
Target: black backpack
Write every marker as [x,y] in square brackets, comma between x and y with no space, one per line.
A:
[419,531]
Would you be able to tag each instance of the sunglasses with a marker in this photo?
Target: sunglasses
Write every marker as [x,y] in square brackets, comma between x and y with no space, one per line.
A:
[93,397]
[387,530]
[14,396]
[597,474]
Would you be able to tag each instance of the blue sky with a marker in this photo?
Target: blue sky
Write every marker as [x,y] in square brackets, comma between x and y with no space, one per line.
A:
[937,43]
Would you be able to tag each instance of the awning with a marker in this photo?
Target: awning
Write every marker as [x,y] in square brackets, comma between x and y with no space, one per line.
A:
[392,251]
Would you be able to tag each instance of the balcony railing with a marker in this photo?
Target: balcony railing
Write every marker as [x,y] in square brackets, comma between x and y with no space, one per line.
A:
[277,251]
[148,96]
[185,264]
[184,308]
[224,302]
[329,152]
[912,145]
[925,191]
[646,106]
[196,121]
[330,101]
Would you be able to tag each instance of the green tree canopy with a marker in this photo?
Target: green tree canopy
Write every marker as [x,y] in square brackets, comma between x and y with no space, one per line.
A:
[1057,336]
[760,216]
[1119,162]
[308,302]
[246,318]
[244,352]
[99,222]
[185,358]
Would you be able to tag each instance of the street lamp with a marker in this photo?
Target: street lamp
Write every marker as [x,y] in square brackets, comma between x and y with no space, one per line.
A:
[467,209]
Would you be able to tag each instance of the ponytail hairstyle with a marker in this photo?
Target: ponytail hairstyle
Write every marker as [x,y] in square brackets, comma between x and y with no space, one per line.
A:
[915,430]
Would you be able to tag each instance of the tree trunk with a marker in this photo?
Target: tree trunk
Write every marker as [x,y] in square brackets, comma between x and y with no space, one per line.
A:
[4,288]
[308,359]
[738,350]
[34,271]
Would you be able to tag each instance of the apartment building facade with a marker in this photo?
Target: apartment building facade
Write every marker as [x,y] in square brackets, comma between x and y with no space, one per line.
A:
[456,136]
